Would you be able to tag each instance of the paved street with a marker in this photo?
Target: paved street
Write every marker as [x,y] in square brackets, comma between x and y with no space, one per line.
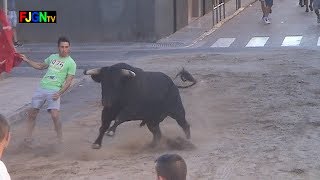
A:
[291,27]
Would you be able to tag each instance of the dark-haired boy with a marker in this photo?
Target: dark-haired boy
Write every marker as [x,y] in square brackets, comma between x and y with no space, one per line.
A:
[171,167]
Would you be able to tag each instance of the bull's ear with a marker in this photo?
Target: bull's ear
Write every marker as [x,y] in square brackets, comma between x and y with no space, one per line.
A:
[96,78]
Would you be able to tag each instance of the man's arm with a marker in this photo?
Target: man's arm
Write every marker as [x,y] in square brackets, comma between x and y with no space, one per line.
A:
[64,88]
[34,64]
[67,84]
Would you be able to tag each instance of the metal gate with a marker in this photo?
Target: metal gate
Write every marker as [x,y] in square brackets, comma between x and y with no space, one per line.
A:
[218,11]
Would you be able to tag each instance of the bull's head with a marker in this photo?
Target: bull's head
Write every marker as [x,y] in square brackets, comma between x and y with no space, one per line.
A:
[113,81]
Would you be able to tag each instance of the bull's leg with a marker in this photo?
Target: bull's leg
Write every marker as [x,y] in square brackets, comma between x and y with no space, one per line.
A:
[156,132]
[122,117]
[106,118]
[112,130]
[177,112]
[181,120]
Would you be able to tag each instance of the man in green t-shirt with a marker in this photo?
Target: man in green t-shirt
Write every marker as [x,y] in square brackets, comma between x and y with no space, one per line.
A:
[61,71]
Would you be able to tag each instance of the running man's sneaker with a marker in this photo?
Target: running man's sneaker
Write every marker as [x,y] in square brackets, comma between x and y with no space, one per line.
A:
[311,7]
[266,20]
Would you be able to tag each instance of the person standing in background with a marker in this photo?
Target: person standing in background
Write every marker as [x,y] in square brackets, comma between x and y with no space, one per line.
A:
[13,19]
[266,10]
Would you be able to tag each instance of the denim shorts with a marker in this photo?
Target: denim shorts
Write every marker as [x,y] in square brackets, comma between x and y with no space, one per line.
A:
[41,96]
[268,2]
[12,16]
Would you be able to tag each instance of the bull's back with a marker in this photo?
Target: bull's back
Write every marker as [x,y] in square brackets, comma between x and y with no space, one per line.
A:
[150,86]
[151,95]
[157,84]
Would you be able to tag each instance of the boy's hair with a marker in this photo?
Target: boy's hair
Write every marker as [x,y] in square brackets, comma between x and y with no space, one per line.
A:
[4,127]
[171,167]
[63,39]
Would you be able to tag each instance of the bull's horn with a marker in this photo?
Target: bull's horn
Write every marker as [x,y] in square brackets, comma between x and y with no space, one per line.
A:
[128,73]
[92,71]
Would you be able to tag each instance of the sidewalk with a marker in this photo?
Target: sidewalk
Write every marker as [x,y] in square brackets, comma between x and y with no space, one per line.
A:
[16,90]
[202,27]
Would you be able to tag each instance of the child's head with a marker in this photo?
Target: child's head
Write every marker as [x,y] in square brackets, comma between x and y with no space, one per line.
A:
[171,167]
[4,131]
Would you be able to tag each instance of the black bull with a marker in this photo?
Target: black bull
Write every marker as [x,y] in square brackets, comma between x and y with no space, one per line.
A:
[129,93]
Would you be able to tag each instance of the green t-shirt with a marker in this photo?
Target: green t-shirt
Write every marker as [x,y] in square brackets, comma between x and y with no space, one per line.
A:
[58,70]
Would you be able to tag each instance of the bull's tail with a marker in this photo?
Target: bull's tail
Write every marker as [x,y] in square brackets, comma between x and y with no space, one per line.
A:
[186,76]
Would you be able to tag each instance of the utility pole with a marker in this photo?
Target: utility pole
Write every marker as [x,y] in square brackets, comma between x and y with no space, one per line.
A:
[5,6]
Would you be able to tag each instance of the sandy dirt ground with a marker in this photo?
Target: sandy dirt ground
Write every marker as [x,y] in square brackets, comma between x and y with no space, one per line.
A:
[252,116]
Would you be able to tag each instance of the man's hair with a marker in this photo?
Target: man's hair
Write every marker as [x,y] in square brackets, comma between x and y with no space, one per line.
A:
[63,39]
[4,127]
[171,167]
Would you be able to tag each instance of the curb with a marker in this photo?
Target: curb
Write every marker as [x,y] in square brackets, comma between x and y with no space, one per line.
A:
[21,113]
[218,25]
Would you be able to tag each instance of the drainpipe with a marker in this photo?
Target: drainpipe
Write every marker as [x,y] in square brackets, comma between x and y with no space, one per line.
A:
[174,15]
[203,7]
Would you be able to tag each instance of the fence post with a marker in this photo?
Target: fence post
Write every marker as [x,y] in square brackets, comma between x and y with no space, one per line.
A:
[217,11]
[213,12]
[224,9]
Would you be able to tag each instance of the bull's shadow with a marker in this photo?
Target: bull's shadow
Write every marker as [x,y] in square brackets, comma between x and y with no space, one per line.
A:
[130,93]
[138,146]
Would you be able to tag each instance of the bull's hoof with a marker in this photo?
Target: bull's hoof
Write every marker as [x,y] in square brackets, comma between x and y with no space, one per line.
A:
[95,146]
[187,133]
[110,133]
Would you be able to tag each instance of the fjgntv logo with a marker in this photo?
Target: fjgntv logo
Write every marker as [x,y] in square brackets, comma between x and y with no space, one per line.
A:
[37,16]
